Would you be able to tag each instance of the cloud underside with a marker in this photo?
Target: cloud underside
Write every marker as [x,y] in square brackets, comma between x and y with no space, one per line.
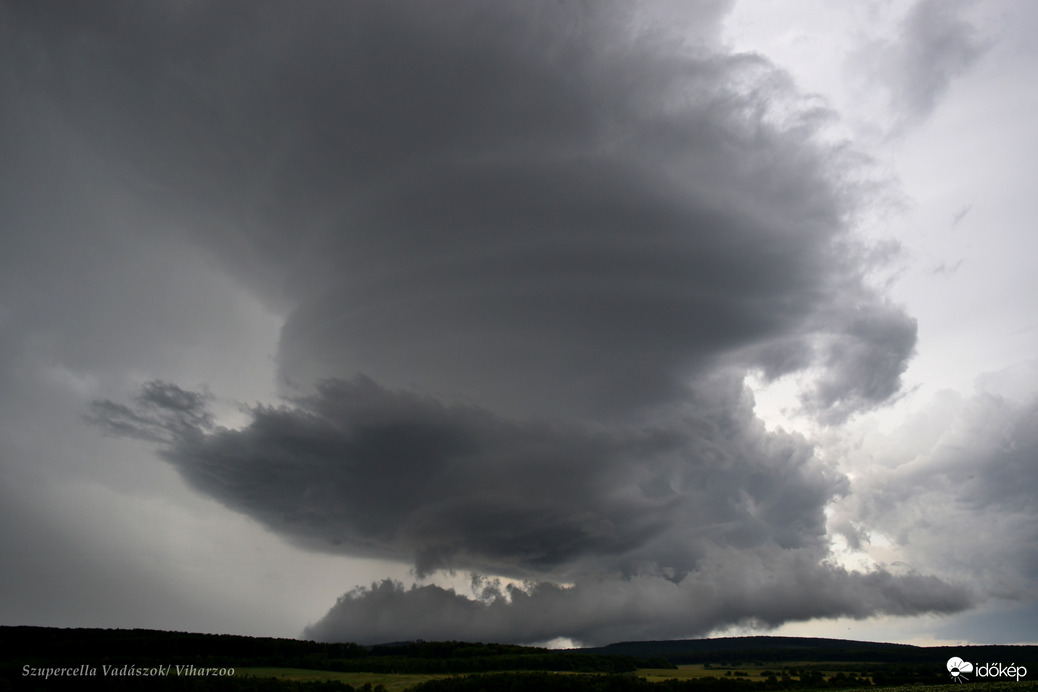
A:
[359,469]
[756,590]
[527,252]
[669,529]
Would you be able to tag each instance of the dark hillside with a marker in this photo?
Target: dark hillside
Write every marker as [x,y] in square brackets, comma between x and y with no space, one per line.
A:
[724,650]
[35,645]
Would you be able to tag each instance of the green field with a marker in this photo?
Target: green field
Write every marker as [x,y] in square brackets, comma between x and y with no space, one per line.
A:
[732,664]
[393,682]
[400,682]
[1012,686]
[691,671]
[683,672]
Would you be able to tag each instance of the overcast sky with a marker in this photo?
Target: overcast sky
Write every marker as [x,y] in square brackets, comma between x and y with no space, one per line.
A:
[532,322]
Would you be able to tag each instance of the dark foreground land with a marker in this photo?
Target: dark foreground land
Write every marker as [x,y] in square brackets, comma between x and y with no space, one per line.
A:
[39,658]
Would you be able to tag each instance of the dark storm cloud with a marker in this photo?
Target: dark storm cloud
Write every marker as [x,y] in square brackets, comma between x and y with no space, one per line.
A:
[863,362]
[361,470]
[762,593]
[699,521]
[529,208]
[162,413]
[520,242]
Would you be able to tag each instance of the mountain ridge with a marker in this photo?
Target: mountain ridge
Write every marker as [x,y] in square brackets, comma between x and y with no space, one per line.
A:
[19,642]
[765,648]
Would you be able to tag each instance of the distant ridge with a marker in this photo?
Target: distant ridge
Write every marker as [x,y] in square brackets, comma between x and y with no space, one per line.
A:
[20,644]
[36,646]
[762,649]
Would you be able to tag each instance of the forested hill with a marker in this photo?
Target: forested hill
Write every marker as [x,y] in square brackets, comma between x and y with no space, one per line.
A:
[23,645]
[26,645]
[723,650]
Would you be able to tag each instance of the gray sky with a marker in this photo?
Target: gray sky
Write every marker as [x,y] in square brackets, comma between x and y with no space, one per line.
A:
[521,322]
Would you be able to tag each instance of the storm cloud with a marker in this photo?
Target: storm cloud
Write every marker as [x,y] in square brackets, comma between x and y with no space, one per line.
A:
[699,522]
[742,589]
[524,255]
[539,209]
[361,470]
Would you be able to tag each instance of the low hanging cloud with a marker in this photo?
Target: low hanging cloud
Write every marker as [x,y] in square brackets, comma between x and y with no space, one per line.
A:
[702,521]
[525,255]
[359,469]
[763,590]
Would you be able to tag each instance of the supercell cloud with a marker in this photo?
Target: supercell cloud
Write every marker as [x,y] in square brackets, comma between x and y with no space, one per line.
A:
[359,469]
[525,254]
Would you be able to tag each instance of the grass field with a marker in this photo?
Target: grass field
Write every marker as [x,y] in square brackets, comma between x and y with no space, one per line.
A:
[393,682]
[1010,686]
[685,672]
[749,672]
[399,682]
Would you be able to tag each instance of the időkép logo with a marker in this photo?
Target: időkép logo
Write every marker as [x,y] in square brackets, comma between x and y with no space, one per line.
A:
[958,669]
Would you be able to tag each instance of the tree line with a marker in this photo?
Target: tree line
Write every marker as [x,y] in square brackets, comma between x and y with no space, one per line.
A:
[29,645]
